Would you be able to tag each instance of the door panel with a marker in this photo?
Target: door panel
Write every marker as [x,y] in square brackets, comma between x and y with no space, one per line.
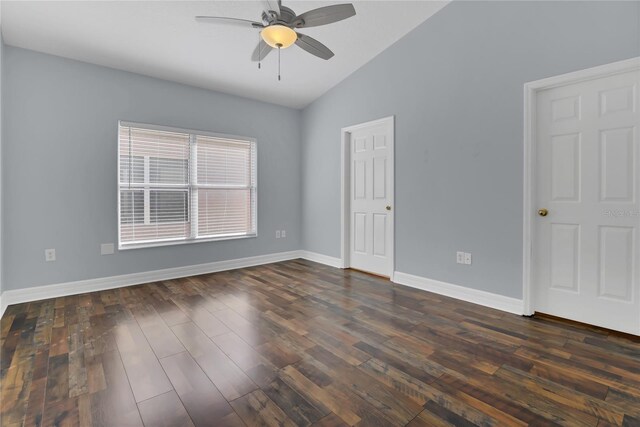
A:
[565,256]
[617,100]
[567,108]
[616,263]
[617,168]
[379,234]
[360,179]
[565,167]
[380,178]
[360,232]
[586,264]
[371,183]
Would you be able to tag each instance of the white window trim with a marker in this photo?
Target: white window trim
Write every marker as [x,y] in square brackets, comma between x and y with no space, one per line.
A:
[189,240]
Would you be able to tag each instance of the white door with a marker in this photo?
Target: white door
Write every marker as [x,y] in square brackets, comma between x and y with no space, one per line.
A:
[371,216]
[586,249]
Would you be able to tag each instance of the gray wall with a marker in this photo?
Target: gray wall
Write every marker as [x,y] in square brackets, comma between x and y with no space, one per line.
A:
[455,85]
[59,165]
[1,142]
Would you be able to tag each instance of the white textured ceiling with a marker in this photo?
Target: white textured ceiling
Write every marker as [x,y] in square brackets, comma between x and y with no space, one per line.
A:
[162,39]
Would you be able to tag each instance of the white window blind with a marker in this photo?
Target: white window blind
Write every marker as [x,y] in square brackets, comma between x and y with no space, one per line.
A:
[178,186]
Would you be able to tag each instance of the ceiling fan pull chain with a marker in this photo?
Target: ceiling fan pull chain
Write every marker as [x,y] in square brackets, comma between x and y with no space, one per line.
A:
[259,50]
[278,63]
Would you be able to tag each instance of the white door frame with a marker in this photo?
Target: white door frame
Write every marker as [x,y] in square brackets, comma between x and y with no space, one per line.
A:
[345,190]
[530,94]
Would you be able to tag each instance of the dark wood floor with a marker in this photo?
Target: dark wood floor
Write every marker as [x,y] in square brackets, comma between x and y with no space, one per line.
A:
[298,343]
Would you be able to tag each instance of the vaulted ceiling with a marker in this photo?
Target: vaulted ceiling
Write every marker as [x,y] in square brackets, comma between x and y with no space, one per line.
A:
[162,39]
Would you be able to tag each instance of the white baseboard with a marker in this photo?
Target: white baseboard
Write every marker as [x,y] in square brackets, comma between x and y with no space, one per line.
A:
[18,296]
[487,299]
[322,259]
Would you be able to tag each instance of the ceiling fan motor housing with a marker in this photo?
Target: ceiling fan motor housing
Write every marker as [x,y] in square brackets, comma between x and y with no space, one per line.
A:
[286,15]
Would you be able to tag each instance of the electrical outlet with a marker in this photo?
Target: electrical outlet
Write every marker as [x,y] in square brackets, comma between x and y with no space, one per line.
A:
[460,257]
[283,233]
[49,255]
[106,249]
[278,234]
[467,258]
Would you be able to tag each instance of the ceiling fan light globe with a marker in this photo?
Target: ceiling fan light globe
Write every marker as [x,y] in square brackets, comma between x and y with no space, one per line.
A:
[279,36]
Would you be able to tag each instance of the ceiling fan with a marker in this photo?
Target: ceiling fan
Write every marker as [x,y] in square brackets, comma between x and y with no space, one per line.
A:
[279,24]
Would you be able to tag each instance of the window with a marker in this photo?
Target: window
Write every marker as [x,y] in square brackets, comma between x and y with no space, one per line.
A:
[179,186]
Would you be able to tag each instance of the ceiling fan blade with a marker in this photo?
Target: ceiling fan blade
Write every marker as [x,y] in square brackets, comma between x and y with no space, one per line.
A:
[314,47]
[229,21]
[324,15]
[261,50]
[272,5]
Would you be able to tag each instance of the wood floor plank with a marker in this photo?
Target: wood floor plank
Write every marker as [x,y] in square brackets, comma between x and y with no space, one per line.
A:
[164,410]
[429,419]
[143,369]
[300,343]
[301,412]
[64,413]
[261,371]
[581,371]
[256,409]
[396,406]
[202,400]
[278,354]
[100,334]
[242,327]
[331,420]
[581,385]
[199,315]
[445,414]
[36,396]
[115,405]
[563,396]
[239,351]
[57,379]
[17,375]
[340,346]
[537,407]
[619,398]
[35,403]
[59,341]
[318,396]
[161,339]
[630,421]
[413,366]
[78,382]
[44,324]
[226,375]
[167,309]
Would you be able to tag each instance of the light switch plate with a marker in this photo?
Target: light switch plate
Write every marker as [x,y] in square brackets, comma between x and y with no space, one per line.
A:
[467,258]
[460,257]
[277,234]
[283,233]
[106,249]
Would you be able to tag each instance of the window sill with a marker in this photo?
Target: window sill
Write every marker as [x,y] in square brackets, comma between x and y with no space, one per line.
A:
[157,244]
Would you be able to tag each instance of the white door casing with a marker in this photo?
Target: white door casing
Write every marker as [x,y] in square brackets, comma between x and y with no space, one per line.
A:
[368,211]
[585,259]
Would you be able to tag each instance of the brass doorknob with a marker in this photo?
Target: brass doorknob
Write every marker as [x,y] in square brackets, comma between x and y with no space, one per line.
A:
[388,208]
[543,212]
